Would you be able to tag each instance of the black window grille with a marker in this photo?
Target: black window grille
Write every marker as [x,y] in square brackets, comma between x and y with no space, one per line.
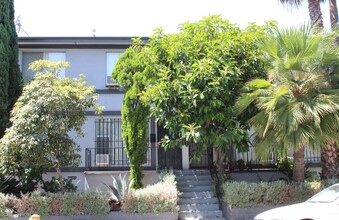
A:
[109,147]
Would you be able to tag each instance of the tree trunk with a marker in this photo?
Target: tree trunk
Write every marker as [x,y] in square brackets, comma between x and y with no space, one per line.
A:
[61,180]
[299,164]
[219,157]
[315,13]
[329,161]
[333,13]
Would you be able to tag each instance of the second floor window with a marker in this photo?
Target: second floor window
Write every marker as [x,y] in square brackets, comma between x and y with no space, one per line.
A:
[111,61]
[29,57]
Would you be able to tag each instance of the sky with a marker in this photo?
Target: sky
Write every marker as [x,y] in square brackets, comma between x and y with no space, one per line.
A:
[138,18]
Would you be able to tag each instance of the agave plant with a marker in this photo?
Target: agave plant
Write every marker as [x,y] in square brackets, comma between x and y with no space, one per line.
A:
[120,186]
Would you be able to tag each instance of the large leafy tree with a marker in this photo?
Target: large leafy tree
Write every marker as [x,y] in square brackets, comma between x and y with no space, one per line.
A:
[48,109]
[10,76]
[194,78]
[135,112]
[297,105]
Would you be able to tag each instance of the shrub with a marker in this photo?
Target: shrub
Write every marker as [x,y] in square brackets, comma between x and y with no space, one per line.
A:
[73,204]
[57,201]
[96,202]
[246,195]
[5,212]
[160,197]
[34,203]
[90,202]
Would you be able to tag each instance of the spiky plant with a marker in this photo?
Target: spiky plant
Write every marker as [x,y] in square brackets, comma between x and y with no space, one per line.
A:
[297,105]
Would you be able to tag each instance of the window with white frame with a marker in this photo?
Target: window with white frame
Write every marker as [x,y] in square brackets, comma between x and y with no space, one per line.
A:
[29,57]
[111,61]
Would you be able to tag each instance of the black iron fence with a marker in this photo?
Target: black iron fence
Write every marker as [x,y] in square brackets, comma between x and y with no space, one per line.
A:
[250,160]
[115,158]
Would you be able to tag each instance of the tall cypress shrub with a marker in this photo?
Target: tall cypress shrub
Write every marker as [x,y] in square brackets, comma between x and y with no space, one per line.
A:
[15,75]
[4,63]
[10,75]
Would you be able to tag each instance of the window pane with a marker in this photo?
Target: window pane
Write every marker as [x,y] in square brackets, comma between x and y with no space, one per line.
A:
[57,56]
[27,58]
[111,61]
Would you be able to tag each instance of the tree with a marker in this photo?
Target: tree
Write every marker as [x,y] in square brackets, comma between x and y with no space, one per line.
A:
[135,112]
[194,78]
[333,13]
[15,76]
[315,11]
[298,106]
[313,8]
[329,156]
[10,76]
[48,109]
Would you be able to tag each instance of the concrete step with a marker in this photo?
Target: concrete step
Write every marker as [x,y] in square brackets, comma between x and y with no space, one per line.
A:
[196,195]
[195,188]
[194,183]
[194,177]
[191,172]
[203,214]
[198,201]
[199,207]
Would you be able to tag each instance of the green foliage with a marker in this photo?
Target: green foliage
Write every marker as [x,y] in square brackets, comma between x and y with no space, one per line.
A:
[120,187]
[135,129]
[32,203]
[5,212]
[160,197]
[53,186]
[91,202]
[10,76]
[135,112]
[297,105]
[248,195]
[96,203]
[195,77]
[48,109]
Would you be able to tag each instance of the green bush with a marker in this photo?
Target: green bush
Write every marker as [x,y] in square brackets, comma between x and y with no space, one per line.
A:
[89,202]
[160,197]
[5,212]
[246,195]
[96,202]
[34,203]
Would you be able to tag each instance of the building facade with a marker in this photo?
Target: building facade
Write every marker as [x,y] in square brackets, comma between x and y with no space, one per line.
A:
[102,150]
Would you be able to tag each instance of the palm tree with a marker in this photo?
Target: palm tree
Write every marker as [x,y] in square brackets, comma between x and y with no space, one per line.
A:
[313,8]
[315,11]
[297,105]
[329,156]
[333,13]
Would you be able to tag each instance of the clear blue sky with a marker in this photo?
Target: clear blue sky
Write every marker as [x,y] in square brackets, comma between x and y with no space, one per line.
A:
[140,18]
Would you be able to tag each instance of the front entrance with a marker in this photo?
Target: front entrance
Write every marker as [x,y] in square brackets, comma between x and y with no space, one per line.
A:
[206,159]
[170,158]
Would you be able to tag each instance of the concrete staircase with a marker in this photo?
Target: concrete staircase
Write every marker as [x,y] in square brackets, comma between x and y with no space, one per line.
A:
[197,200]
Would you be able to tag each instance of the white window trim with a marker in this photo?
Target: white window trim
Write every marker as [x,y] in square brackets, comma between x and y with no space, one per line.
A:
[108,81]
